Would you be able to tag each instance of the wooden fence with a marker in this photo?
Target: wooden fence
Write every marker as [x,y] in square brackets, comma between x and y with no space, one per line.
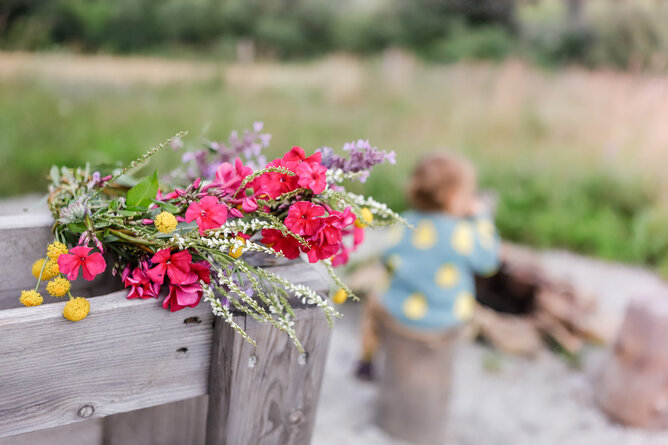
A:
[130,355]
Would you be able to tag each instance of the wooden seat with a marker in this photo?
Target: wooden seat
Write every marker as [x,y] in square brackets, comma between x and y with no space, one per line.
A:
[415,383]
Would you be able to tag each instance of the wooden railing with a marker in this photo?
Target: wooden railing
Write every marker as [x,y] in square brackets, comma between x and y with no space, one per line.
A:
[132,354]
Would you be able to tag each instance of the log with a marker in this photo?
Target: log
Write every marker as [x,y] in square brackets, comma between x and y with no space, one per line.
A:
[415,384]
[633,385]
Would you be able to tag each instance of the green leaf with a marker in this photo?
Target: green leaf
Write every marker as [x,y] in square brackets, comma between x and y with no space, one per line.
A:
[171,208]
[141,194]
[76,227]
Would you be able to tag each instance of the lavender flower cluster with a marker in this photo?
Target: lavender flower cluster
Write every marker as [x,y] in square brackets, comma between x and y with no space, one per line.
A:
[248,147]
[361,158]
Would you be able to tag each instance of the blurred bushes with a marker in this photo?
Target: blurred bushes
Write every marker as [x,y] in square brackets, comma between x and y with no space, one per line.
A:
[551,32]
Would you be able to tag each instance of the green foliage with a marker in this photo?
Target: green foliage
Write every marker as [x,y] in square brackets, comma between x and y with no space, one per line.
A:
[142,194]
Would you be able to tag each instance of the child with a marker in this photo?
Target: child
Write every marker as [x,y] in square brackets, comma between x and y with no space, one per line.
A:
[432,286]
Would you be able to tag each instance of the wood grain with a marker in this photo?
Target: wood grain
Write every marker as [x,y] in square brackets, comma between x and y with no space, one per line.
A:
[176,423]
[266,395]
[126,355]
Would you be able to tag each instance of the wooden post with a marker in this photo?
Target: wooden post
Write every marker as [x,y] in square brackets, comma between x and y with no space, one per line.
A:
[633,386]
[415,385]
[266,395]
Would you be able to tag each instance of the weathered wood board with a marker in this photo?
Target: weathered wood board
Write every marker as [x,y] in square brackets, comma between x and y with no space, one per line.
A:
[126,355]
[269,394]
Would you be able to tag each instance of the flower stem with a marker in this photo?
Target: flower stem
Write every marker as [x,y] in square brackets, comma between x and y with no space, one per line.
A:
[41,272]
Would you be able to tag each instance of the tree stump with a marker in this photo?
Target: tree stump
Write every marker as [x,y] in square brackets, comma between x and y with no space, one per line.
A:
[633,388]
[415,384]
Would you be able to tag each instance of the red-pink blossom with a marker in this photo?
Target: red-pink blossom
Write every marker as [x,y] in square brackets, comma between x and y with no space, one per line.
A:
[230,176]
[176,265]
[79,257]
[288,246]
[297,155]
[186,294]
[312,176]
[140,283]
[208,212]
[305,218]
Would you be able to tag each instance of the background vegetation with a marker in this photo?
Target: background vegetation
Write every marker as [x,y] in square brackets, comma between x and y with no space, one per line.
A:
[549,32]
[571,167]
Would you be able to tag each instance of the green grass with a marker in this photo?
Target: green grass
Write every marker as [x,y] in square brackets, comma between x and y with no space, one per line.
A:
[547,197]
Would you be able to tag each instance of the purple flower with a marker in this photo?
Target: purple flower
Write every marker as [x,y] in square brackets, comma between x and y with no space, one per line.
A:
[248,147]
[361,158]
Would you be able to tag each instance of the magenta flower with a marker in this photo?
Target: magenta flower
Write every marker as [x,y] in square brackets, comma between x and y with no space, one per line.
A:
[186,294]
[140,283]
[208,213]
[305,218]
[176,265]
[79,257]
[312,176]
[229,177]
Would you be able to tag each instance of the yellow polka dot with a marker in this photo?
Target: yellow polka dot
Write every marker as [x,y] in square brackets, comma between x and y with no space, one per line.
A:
[464,306]
[393,262]
[425,236]
[462,238]
[395,234]
[447,276]
[486,231]
[415,307]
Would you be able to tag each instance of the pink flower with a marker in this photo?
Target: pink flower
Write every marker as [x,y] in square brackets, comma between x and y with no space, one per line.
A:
[296,156]
[186,294]
[229,177]
[92,264]
[140,283]
[274,184]
[208,213]
[288,246]
[305,218]
[312,176]
[177,266]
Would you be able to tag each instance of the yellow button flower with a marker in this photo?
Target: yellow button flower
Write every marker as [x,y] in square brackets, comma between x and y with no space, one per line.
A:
[238,251]
[425,236]
[51,270]
[165,222]
[37,267]
[464,306]
[58,287]
[340,296]
[366,218]
[447,276]
[462,238]
[55,249]
[30,298]
[76,309]
[415,307]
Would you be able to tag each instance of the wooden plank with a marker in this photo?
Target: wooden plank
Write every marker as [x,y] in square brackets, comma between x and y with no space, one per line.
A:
[266,395]
[126,355]
[176,423]
[23,240]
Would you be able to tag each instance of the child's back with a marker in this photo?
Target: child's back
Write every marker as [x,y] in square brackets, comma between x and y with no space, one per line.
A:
[433,268]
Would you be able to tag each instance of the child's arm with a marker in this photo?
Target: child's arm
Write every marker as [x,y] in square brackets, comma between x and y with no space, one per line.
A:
[485,257]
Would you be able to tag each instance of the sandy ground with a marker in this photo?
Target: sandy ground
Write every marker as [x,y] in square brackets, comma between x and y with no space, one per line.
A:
[500,399]
[497,398]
